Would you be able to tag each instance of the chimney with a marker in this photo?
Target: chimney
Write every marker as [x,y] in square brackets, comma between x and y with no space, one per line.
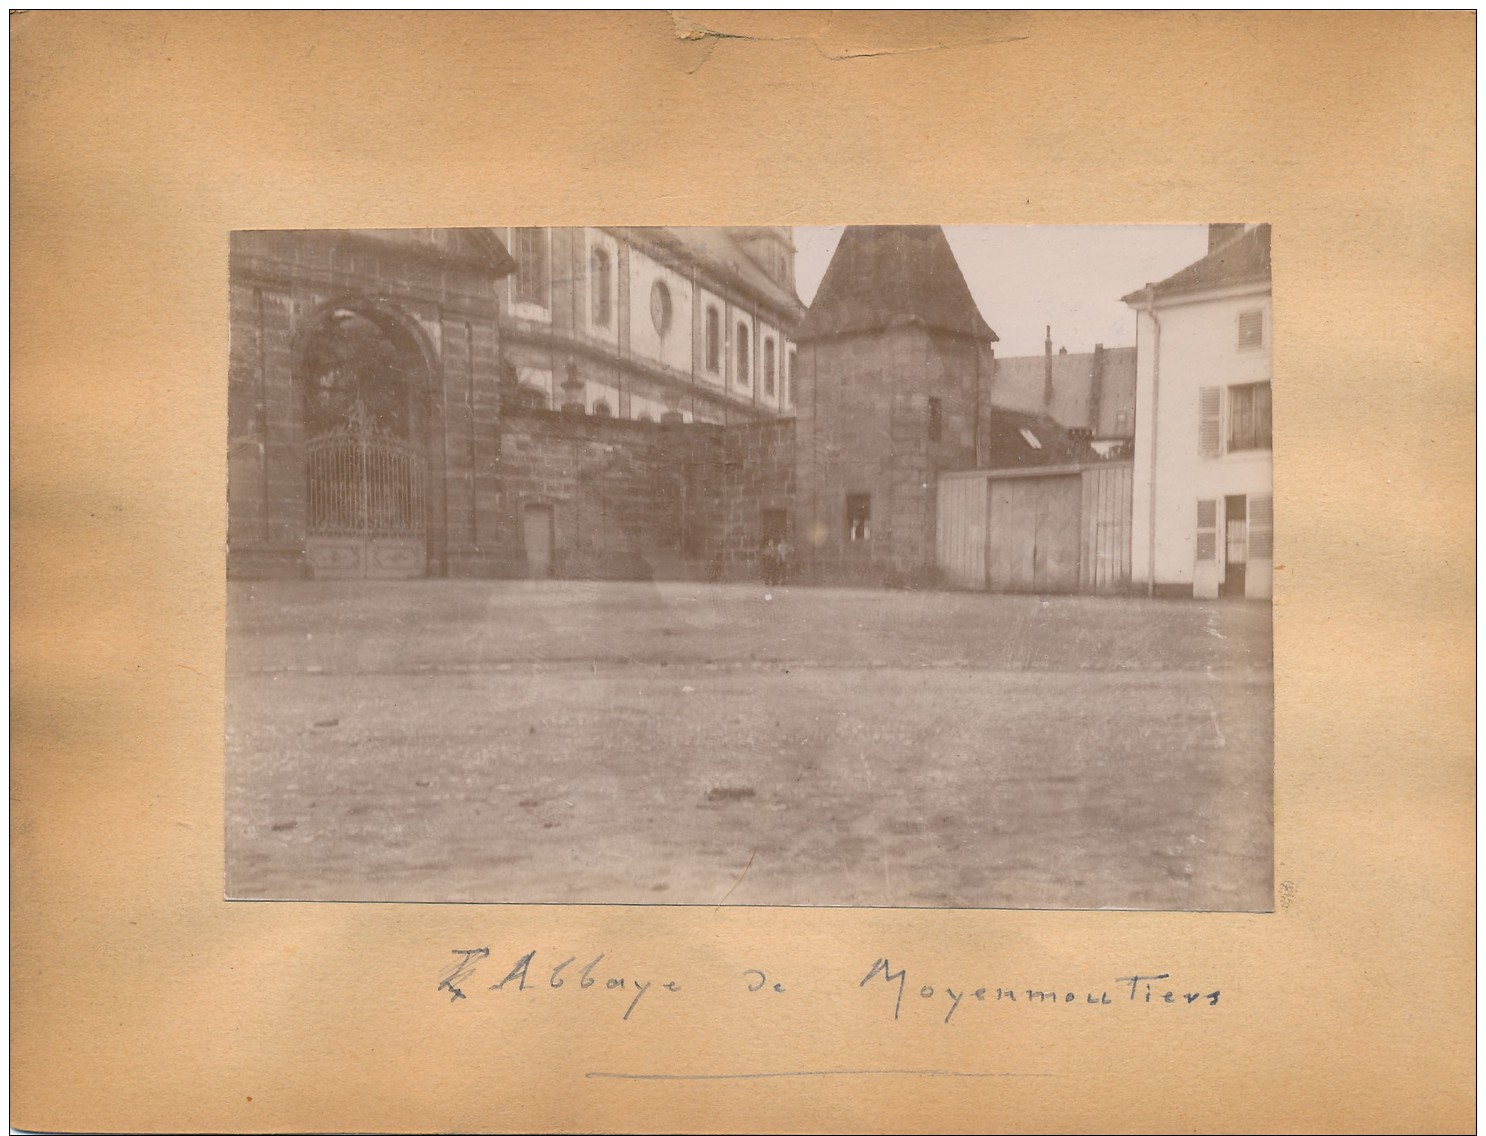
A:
[1221,234]
[1078,438]
[1096,387]
[1047,369]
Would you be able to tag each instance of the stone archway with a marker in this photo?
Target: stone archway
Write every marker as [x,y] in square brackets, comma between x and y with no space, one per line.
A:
[363,377]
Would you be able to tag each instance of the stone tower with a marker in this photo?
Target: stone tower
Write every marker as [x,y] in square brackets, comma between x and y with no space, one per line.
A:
[892,382]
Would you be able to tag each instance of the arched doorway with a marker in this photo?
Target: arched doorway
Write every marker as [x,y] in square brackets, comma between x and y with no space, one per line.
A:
[363,377]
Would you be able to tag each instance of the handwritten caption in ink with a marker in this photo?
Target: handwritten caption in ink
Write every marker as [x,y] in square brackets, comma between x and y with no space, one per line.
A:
[462,973]
[1143,988]
[471,970]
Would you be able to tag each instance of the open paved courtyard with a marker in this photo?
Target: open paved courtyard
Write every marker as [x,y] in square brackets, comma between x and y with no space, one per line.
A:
[582,742]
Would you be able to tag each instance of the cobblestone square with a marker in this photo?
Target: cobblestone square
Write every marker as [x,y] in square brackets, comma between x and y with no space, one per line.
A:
[675,743]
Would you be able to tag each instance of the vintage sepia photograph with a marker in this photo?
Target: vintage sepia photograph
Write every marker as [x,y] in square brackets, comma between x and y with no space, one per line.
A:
[855,566]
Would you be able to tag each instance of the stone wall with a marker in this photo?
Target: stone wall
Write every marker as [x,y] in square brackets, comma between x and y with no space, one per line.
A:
[869,407]
[628,500]
[438,294]
[634,500]
[759,477]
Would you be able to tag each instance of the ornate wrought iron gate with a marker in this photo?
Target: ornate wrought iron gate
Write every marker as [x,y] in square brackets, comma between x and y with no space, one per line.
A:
[365,509]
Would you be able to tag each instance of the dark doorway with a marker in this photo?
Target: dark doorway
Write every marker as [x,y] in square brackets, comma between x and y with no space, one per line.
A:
[537,529]
[1235,547]
[775,524]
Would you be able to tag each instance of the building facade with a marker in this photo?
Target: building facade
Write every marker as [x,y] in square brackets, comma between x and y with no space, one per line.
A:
[363,401]
[421,402]
[1202,522]
[627,404]
[652,324]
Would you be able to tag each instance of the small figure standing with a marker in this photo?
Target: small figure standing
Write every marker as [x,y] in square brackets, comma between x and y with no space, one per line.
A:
[769,561]
[782,553]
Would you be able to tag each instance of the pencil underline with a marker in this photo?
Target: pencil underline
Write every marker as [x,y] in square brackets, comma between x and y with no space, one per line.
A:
[803,1073]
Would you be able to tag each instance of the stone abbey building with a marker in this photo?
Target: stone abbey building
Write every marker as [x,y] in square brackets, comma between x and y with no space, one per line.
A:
[652,325]
[604,403]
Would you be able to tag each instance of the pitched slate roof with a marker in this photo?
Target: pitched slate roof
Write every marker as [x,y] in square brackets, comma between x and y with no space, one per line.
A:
[887,275]
[1020,382]
[1242,260]
[1018,441]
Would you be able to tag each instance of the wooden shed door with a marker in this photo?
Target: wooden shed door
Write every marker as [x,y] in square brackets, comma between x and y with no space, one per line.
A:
[1033,534]
[960,531]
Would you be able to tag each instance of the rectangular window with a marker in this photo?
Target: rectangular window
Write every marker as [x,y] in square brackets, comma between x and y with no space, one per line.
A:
[768,368]
[1251,329]
[1248,417]
[858,516]
[531,266]
[936,419]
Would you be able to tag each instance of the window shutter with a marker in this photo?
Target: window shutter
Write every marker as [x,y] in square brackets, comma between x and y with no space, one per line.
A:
[1261,528]
[1251,329]
[1207,530]
[1209,409]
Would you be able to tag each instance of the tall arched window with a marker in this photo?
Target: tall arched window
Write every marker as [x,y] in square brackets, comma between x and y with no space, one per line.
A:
[714,340]
[531,267]
[744,374]
[768,368]
[601,279]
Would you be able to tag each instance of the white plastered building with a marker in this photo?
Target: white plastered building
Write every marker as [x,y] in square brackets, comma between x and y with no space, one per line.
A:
[1203,496]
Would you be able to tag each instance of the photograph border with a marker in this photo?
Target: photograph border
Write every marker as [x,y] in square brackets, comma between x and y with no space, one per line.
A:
[141,139]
